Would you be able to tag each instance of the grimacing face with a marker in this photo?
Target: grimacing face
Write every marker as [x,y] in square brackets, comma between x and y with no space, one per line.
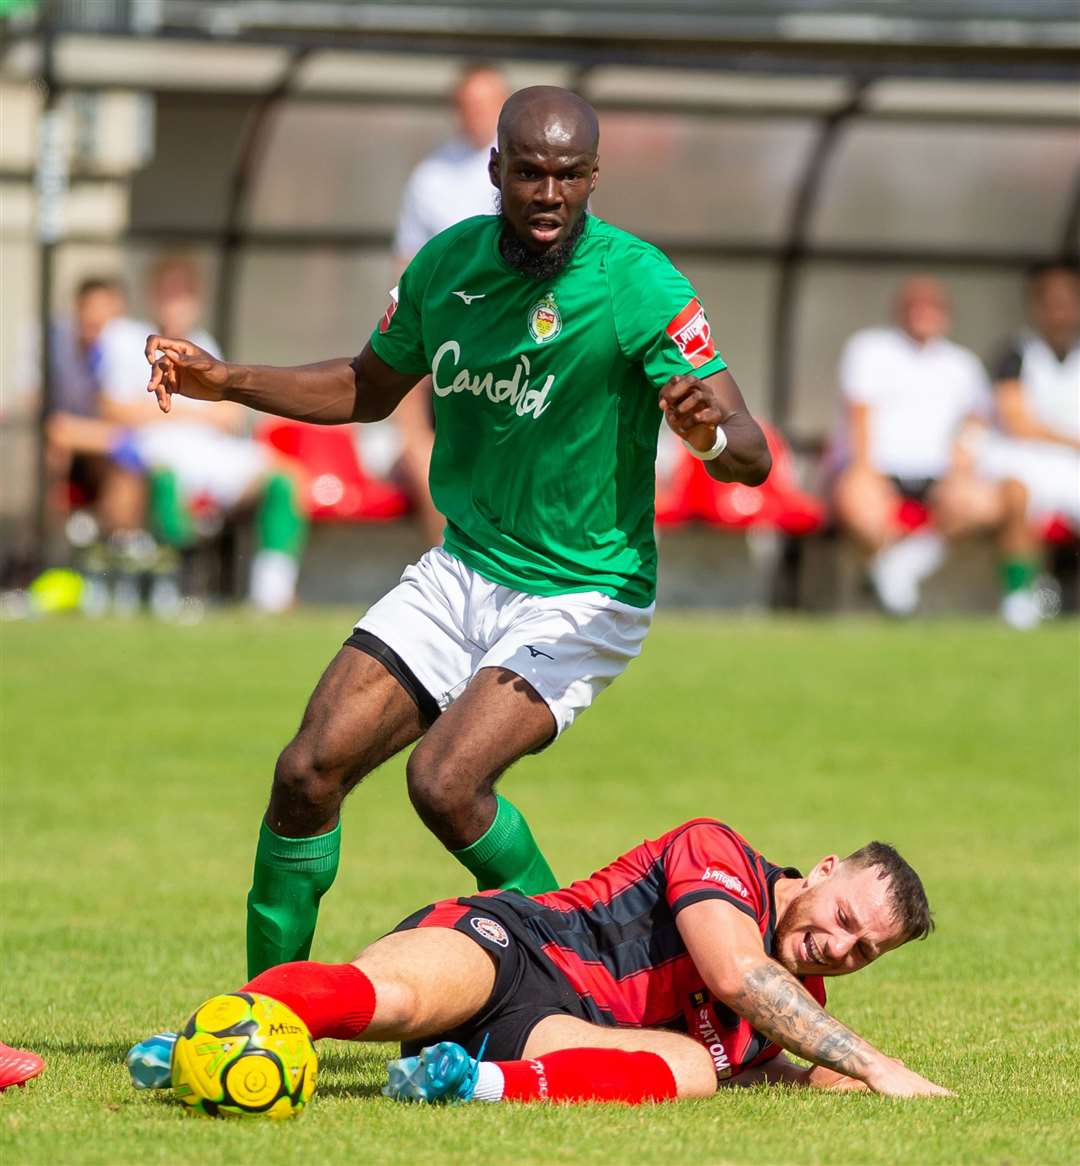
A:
[837,922]
[545,184]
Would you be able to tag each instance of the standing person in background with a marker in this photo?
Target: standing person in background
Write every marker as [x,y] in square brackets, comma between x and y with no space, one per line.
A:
[202,452]
[450,184]
[912,395]
[1037,397]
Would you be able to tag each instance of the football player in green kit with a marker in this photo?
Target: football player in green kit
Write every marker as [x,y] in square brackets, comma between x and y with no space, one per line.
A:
[555,343]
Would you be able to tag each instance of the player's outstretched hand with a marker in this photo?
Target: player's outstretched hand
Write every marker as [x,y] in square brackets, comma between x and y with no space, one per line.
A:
[692,409]
[178,366]
[894,1079]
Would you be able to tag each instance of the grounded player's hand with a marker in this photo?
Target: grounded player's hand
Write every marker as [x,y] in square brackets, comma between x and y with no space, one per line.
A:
[178,366]
[692,410]
[894,1079]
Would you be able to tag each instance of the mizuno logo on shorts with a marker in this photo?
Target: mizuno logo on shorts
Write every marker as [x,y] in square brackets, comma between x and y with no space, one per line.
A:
[534,652]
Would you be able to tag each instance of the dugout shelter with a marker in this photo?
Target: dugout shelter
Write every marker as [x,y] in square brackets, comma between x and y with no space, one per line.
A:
[795,159]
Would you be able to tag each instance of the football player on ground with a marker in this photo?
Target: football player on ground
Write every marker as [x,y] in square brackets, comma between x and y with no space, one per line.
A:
[555,342]
[688,962]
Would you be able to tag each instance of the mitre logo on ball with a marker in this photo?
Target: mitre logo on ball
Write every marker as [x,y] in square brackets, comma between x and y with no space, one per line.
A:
[545,323]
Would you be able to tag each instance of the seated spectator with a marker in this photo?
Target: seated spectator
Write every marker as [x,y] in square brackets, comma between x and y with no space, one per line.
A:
[196,453]
[1037,398]
[75,352]
[909,484]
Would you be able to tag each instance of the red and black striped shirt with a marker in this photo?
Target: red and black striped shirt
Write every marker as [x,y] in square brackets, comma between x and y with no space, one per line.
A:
[614,938]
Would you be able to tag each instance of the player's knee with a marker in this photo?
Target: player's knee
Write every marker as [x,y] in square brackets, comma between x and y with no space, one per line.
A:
[436,787]
[303,777]
[398,1004]
[694,1072]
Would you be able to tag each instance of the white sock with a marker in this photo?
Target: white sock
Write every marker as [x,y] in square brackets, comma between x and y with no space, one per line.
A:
[922,553]
[273,580]
[898,570]
[490,1082]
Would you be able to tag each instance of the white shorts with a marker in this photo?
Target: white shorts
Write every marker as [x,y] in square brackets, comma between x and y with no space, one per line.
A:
[205,460]
[446,623]
[1051,472]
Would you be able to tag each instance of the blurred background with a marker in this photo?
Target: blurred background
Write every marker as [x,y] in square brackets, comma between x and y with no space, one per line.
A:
[797,160]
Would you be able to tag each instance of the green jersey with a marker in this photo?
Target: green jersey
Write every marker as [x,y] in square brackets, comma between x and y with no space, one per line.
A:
[546,401]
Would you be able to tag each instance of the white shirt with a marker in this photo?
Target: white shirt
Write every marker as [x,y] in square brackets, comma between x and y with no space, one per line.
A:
[449,185]
[123,371]
[1051,386]
[918,397]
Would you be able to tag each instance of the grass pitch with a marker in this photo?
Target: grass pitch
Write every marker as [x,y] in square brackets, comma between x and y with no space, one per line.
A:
[135,766]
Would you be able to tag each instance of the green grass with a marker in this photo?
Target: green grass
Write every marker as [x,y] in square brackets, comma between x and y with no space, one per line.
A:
[136,761]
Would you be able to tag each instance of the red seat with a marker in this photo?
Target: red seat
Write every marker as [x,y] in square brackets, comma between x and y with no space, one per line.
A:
[780,504]
[338,486]
[1057,530]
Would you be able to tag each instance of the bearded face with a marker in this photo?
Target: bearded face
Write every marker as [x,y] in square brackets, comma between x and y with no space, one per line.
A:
[840,921]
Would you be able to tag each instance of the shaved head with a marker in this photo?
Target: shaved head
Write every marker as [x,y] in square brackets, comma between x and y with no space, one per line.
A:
[545,116]
[545,168]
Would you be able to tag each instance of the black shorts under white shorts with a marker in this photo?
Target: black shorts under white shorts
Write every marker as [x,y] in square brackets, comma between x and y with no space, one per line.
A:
[528,987]
[914,489]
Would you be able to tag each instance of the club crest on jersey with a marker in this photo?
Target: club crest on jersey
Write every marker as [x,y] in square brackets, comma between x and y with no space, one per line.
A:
[545,323]
[490,930]
[691,333]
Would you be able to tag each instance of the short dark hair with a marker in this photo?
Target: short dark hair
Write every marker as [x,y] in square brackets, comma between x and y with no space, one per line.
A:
[1037,271]
[96,283]
[911,909]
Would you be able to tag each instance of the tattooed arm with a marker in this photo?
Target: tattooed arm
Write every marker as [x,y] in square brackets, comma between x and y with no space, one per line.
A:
[726,948]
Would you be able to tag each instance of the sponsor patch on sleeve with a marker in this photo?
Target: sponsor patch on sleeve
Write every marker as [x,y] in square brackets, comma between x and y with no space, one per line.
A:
[691,334]
[730,882]
[391,308]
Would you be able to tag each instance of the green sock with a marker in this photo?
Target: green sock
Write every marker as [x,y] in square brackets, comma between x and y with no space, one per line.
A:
[281,522]
[169,518]
[1017,575]
[291,876]
[506,858]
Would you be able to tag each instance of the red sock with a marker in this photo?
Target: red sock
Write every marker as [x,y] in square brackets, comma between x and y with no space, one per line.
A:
[335,1000]
[589,1075]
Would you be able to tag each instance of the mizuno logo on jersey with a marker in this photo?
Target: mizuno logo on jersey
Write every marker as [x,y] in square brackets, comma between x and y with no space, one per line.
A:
[514,391]
[468,299]
[692,335]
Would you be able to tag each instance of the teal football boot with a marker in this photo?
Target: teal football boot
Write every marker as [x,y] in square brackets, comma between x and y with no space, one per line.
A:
[442,1073]
[150,1061]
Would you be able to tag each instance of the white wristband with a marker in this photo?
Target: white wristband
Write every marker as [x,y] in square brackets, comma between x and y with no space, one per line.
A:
[718,446]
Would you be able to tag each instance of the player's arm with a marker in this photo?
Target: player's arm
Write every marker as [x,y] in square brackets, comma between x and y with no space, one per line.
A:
[727,950]
[1017,419]
[693,409]
[859,433]
[331,392]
